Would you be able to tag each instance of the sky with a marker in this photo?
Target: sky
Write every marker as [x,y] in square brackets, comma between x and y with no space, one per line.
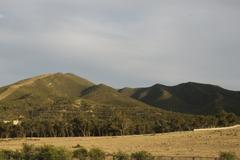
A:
[122,42]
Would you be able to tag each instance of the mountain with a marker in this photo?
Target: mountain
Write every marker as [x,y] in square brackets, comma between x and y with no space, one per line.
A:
[63,104]
[191,98]
[48,94]
[46,85]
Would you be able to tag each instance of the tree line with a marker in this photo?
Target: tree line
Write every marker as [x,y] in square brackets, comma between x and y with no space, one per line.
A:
[118,123]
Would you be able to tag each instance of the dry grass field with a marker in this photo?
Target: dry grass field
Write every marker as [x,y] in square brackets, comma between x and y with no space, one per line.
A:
[200,143]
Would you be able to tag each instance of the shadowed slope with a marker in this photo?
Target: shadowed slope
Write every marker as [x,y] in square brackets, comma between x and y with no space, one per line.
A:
[193,98]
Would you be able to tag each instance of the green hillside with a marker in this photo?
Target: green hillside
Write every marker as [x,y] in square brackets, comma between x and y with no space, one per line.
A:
[191,98]
[40,92]
[58,84]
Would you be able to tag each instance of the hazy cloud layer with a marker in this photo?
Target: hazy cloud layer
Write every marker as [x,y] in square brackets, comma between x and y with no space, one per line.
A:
[122,43]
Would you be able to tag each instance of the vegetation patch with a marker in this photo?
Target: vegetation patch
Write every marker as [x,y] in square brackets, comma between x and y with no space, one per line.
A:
[228,156]
[48,152]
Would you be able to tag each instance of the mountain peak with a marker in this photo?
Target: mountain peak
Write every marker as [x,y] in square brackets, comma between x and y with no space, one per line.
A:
[46,85]
[158,85]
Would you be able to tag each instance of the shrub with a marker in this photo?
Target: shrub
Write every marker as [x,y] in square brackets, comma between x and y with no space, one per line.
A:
[10,155]
[1,155]
[28,152]
[120,156]
[96,154]
[5,154]
[80,153]
[227,156]
[52,153]
[142,155]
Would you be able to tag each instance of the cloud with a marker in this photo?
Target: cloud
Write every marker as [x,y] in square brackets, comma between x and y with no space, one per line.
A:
[122,43]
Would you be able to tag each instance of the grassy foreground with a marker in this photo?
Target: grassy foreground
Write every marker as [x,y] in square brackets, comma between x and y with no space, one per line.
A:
[202,143]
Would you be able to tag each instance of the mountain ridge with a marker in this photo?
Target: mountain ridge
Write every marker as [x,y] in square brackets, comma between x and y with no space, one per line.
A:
[197,98]
[189,97]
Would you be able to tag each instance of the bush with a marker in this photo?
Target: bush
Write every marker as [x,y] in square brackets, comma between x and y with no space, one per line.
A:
[1,155]
[142,155]
[10,155]
[96,154]
[120,156]
[52,153]
[28,152]
[80,153]
[227,156]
